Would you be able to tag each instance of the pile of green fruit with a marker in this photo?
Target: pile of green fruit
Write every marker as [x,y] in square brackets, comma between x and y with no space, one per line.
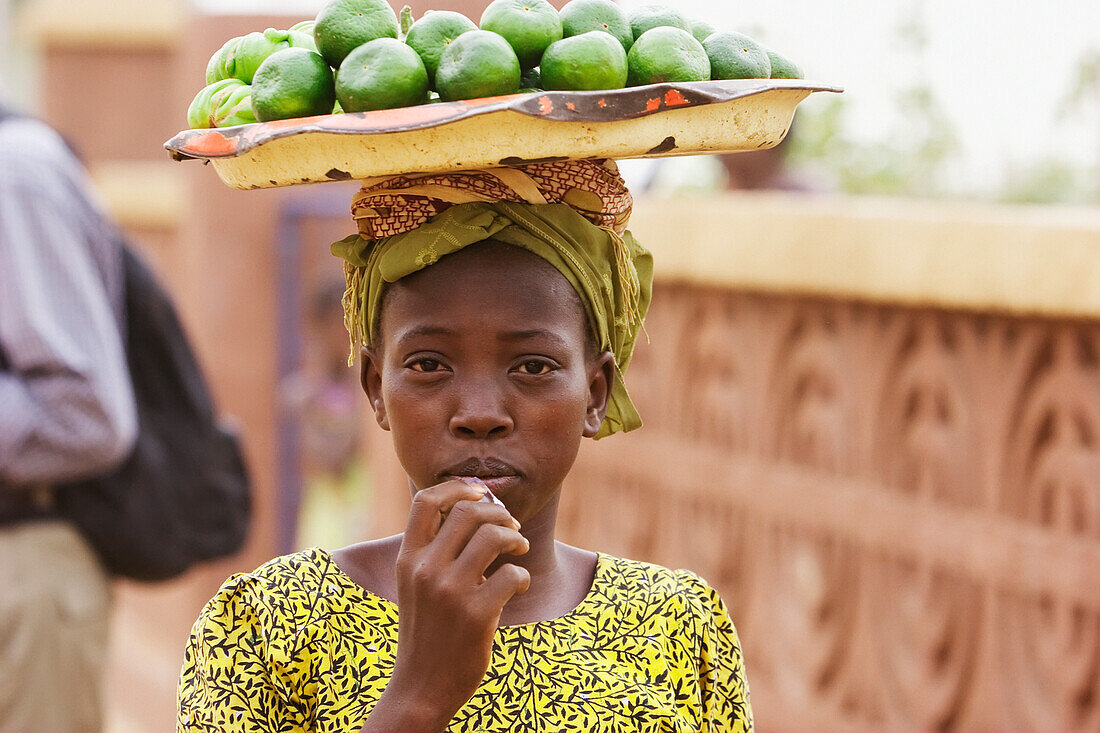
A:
[358,55]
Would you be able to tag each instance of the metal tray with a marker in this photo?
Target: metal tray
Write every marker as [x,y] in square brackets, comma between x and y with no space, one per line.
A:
[639,122]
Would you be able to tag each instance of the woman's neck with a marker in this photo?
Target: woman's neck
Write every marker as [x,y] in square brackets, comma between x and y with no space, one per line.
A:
[561,576]
[542,559]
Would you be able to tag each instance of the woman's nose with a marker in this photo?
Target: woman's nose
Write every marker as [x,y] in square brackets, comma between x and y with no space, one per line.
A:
[481,414]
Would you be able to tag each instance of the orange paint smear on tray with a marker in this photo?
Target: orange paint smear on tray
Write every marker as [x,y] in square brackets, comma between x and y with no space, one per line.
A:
[213,144]
[673,98]
[545,105]
[652,105]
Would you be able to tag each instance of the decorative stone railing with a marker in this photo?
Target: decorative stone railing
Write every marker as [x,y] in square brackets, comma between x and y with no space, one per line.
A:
[889,464]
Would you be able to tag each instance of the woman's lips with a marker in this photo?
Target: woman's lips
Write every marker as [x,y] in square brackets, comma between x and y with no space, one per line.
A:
[497,484]
[495,473]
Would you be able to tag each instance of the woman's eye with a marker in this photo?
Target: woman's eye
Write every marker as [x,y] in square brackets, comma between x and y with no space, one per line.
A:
[425,365]
[535,367]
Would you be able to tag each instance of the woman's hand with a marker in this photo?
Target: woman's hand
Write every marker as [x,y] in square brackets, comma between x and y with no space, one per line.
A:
[448,609]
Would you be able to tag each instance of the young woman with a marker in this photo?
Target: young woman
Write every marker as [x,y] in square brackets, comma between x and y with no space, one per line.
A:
[498,310]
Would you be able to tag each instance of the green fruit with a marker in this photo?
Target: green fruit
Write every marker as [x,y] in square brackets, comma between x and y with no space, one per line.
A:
[648,17]
[240,57]
[301,39]
[529,26]
[232,107]
[306,26]
[531,79]
[666,54]
[433,33]
[224,103]
[251,50]
[477,64]
[198,112]
[588,62]
[381,74]
[582,16]
[783,67]
[248,53]
[344,25]
[215,68]
[294,82]
[701,30]
[736,56]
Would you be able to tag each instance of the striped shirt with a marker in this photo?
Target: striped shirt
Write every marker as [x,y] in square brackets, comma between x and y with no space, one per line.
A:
[66,404]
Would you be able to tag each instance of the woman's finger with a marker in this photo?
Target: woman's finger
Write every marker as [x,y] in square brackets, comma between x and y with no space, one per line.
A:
[429,507]
[463,521]
[488,543]
[507,581]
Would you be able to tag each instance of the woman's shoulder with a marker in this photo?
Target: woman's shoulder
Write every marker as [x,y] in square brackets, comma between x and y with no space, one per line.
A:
[282,591]
[653,602]
[304,569]
[648,574]
[648,583]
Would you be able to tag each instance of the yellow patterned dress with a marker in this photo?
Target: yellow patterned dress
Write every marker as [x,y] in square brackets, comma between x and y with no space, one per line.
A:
[299,646]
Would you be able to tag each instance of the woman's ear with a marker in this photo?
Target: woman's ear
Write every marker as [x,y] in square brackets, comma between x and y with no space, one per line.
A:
[601,375]
[370,376]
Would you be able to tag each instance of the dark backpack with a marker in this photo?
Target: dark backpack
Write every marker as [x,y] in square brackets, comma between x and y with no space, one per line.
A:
[183,494]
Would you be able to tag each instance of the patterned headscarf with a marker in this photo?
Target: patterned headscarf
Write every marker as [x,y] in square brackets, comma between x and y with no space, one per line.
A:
[573,214]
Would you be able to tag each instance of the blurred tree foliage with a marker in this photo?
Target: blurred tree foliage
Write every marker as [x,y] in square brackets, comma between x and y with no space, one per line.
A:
[909,161]
[915,152]
[1054,180]
[911,157]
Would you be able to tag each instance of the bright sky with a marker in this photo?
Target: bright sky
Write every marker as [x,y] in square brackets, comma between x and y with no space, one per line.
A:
[999,67]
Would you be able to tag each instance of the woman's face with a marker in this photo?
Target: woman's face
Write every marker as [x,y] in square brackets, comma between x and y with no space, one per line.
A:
[482,368]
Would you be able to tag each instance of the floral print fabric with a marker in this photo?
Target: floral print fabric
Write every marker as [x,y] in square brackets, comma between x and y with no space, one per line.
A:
[298,646]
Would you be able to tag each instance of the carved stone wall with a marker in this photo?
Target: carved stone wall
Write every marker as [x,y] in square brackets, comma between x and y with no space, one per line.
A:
[901,506]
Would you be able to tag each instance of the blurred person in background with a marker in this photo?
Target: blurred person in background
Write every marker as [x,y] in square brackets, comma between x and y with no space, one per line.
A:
[322,398]
[760,170]
[769,169]
[67,411]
